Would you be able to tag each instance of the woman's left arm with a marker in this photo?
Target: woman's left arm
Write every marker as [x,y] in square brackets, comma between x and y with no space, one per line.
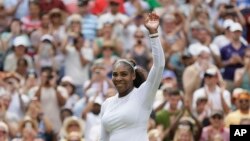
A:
[152,83]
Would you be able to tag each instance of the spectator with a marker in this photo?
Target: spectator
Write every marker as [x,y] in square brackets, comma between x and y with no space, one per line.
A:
[72,124]
[218,97]
[22,67]
[4,18]
[89,21]
[65,113]
[20,45]
[45,56]
[140,52]
[242,75]
[99,82]
[101,6]
[28,131]
[91,114]
[44,125]
[77,62]
[133,7]
[51,97]
[4,131]
[231,55]
[32,21]
[166,117]
[17,8]
[74,136]
[215,131]
[67,83]
[242,111]
[202,63]
[47,5]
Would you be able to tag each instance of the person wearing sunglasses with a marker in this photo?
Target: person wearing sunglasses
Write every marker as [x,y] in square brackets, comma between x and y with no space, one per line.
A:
[243,111]
[216,130]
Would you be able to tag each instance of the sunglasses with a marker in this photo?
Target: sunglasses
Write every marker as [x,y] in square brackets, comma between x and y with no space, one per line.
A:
[107,48]
[3,132]
[217,117]
[244,101]
[55,15]
[247,56]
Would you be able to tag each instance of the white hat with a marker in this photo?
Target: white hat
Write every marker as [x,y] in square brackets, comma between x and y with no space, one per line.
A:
[98,100]
[237,91]
[228,23]
[236,27]
[4,127]
[20,40]
[47,37]
[202,49]
[67,79]
[211,72]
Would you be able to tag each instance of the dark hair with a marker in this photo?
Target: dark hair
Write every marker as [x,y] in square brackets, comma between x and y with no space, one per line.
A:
[140,73]
[75,39]
[174,92]
[22,61]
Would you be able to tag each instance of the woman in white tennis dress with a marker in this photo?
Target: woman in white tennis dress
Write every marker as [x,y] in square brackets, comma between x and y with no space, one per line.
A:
[124,116]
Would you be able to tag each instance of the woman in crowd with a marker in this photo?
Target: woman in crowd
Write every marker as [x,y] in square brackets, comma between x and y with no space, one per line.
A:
[134,95]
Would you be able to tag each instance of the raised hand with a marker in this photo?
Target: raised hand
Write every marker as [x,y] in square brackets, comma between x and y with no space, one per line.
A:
[151,22]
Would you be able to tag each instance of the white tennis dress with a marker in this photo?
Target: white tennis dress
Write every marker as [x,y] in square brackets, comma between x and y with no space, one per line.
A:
[125,118]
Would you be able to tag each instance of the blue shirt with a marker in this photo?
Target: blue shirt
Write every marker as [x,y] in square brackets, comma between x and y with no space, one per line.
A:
[22,10]
[89,26]
[226,53]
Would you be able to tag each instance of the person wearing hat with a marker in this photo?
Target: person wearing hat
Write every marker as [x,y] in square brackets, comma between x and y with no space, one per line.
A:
[90,21]
[47,5]
[67,83]
[19,101]
[101,6]
[243,111]
[4,131]
[216,130]
[20,44]
[45,56]
[232,55]
[72,124]
[91,114]
[196,70]
[218,97]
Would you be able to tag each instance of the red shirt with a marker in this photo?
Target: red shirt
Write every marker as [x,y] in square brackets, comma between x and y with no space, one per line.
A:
[100,6]
[47,6]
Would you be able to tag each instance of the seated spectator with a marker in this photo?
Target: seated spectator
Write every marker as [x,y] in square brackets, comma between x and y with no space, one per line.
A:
[215,131]
[243,111]
[65,113]
[74,136]
[46,5]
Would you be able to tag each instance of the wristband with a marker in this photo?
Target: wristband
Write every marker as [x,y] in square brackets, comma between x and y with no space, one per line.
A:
[153,35]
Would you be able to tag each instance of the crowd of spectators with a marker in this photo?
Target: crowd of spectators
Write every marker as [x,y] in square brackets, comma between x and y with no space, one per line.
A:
[56,60]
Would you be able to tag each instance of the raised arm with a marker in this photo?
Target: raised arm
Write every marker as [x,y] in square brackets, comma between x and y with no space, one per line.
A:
[152,83]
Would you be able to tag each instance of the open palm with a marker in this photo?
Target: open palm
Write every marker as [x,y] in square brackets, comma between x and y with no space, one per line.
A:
[152,22]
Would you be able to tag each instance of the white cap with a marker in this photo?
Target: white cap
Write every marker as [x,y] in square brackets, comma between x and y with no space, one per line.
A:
[237,91]
[67,79]
[20,40]
[4,127]
[236,27]
[47,37]
[98,100]
[202,49]
[228,23]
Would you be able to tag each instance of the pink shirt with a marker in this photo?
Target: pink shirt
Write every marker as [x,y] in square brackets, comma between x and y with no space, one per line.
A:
[209,132]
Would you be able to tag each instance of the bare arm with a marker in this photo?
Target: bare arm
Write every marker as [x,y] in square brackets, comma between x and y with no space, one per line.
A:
[238,78]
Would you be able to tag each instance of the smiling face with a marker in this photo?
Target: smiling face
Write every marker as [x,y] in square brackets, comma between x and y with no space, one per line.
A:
[122,77]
